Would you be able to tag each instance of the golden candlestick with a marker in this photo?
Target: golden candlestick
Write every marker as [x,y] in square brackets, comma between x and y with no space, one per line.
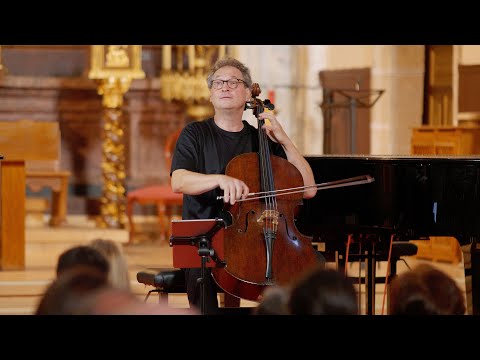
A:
[183,76]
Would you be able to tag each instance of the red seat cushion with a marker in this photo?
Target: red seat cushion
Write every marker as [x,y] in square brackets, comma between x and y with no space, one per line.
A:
[155,193]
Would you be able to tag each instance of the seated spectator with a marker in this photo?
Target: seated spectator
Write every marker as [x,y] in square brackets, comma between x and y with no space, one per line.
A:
[425,290]
[84,290]
[118,273]
[65,294]
[81,255]
[115,301]
[274,301]
[323,292]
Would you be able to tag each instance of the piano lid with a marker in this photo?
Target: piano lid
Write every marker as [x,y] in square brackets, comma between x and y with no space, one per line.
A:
[390,158]
[414,196]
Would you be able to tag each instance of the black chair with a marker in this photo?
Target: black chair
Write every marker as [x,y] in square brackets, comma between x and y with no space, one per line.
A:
[164,280]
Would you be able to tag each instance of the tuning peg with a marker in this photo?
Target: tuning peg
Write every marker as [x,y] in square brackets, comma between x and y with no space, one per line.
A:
[268,104]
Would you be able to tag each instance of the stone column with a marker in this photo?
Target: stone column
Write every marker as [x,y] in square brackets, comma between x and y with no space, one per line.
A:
[399,69]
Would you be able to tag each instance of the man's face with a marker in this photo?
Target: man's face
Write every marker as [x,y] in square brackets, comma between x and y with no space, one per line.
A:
[226,97]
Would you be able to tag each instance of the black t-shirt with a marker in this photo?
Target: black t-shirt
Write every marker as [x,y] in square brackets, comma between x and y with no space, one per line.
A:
[205,148]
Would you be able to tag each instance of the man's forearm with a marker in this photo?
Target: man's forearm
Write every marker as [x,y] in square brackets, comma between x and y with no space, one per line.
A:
[192,183]
[297,160]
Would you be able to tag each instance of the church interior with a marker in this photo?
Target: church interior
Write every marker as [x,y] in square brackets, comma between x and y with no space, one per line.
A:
[87,134]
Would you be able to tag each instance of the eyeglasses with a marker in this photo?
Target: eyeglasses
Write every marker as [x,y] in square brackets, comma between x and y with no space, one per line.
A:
[232,83]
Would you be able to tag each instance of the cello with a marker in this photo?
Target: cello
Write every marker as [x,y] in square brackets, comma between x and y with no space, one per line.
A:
[262,245]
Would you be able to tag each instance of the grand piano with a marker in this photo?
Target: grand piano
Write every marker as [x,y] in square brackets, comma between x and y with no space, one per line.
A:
[412,197]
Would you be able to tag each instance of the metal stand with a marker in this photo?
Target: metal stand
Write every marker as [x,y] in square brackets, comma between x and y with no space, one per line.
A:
[369,249]
[345,98]
[204,244]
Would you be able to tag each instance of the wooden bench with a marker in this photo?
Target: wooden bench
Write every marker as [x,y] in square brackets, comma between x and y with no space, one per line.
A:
[38,144]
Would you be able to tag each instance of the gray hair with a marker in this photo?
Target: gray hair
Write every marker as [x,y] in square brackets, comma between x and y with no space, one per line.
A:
[228,61]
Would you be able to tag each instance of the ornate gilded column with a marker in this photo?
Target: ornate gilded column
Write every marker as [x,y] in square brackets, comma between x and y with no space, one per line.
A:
[2,68]
[114,67]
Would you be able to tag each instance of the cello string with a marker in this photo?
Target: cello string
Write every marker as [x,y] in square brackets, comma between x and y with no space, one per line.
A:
[274,205]
[272,183]
[263,151]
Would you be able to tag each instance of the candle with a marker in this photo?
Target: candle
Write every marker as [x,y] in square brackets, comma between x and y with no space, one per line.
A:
[191,58]
[167,57]
[221,51]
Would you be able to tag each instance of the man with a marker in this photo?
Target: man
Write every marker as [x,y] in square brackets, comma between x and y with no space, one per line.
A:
[204,149]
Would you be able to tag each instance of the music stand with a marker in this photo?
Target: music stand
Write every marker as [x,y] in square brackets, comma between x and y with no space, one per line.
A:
[351,99]
[194,243]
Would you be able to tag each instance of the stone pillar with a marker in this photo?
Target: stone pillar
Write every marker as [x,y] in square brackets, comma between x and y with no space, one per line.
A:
[399,70]
[291,71]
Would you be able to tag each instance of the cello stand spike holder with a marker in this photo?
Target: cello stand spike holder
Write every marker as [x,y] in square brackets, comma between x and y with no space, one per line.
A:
[205,251]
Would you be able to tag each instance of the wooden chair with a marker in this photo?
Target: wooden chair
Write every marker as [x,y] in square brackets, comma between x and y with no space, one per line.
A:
[38,144]
[160,195]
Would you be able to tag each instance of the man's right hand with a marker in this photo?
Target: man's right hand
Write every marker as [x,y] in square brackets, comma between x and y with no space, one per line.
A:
[233,189]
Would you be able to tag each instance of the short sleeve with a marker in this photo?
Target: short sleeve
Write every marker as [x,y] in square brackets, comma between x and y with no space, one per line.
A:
[186,151]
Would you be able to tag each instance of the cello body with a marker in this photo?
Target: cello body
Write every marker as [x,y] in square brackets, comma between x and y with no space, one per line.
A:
[262,246]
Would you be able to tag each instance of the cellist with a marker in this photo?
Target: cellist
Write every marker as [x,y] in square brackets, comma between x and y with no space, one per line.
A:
[204,149]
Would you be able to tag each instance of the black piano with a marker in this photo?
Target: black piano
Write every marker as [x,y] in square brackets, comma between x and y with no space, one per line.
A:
[412,197]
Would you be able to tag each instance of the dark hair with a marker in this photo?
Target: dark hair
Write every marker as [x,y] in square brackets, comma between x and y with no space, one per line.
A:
[67,293]
[274,301]
[425,290]
[82,255]
[228,61]
[323,292]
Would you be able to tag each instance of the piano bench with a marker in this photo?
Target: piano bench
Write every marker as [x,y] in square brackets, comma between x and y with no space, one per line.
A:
[165,281]
[172,281]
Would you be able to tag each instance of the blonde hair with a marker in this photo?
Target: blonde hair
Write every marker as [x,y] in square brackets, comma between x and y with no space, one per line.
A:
[118,274]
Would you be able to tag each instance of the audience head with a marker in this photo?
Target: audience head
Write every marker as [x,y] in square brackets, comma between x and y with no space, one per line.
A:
[274,301]
[425,290]
[323,292]
[64,296]
[84,290]
[115,301]
[81,256]
[118,268]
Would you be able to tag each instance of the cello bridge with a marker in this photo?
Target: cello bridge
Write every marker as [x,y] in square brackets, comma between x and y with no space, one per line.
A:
[270,215]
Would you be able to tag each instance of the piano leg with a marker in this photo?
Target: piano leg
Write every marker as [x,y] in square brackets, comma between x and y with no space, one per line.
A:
[475,271]
[370,279]
[367,256]
[369,251]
